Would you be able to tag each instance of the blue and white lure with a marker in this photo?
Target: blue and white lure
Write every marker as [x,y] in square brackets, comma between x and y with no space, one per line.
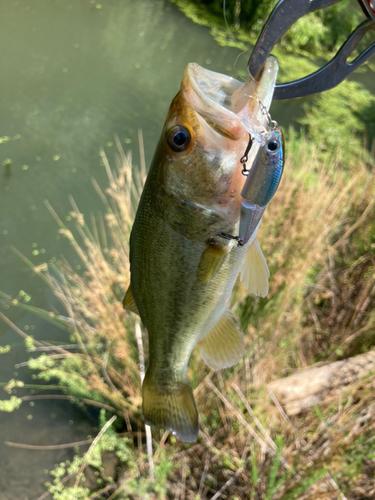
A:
[261,184]
[265,156]
[263,179]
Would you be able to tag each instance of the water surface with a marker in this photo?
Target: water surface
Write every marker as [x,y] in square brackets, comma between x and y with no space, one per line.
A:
[73,76]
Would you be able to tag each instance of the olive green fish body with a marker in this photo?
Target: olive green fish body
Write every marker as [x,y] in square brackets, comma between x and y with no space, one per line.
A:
[176,306]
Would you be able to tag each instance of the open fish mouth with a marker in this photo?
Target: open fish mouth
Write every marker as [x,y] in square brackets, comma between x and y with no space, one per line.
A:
[231,107]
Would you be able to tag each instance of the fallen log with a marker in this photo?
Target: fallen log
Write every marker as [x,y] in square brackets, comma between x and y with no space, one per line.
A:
[317,384]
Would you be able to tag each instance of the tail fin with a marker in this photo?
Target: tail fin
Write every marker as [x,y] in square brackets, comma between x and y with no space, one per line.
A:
[172,407]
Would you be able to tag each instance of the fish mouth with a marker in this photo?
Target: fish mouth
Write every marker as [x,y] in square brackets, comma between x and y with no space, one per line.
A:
[228,106]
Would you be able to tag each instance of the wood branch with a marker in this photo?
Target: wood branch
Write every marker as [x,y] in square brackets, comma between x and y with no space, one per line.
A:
[317,384]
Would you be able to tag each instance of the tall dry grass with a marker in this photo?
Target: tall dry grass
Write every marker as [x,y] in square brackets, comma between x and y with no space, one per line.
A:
[318,238]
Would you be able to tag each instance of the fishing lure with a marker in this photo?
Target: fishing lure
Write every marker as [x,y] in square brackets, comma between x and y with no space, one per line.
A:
[261,184]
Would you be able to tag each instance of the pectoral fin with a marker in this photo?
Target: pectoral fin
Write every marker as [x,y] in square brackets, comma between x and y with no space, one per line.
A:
[211,261]
[128,302]
[224,345]
[254,271]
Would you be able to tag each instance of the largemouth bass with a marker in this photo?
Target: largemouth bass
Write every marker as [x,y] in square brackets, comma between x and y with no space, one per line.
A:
[181,274]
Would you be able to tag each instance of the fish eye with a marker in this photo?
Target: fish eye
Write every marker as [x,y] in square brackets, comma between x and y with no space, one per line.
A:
[178,138]
[273,145]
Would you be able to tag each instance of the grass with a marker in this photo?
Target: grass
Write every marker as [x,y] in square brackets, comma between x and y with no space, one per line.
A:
[318,236]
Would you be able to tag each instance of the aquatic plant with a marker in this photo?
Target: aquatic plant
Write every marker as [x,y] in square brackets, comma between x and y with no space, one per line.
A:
[318,238]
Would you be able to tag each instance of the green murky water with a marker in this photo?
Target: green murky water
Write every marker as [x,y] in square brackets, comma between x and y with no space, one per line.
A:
[74,75]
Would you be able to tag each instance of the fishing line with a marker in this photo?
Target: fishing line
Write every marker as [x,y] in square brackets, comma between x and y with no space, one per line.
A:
[234,38]
[232,34]
[235,62]
[225,19]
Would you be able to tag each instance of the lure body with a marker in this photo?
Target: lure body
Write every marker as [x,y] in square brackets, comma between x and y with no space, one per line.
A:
[261,184]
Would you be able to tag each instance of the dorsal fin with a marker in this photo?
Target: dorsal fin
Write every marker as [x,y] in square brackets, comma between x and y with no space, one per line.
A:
[224,345]
[128,302]
[254,270]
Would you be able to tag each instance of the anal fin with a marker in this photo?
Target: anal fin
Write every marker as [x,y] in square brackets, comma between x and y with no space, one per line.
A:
[254,271]
[128,302]
[172,407]
[224,345]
